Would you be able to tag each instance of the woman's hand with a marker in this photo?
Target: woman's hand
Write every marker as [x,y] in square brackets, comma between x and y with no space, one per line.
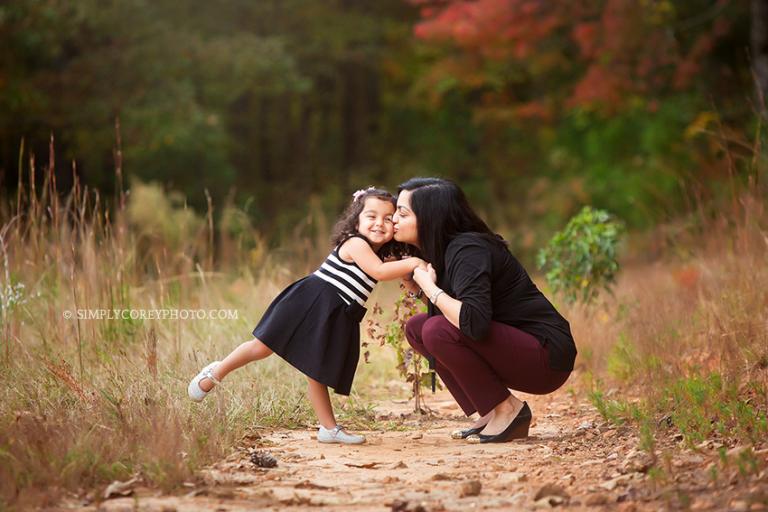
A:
[425,277]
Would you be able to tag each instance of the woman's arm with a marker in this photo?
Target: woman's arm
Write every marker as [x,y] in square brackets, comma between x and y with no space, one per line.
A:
[469,275]
[361,253]
[450,307]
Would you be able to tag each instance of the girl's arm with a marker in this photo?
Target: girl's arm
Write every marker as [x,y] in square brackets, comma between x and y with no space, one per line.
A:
[358,250]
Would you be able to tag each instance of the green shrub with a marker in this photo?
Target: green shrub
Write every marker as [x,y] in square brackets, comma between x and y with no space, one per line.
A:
[580,260]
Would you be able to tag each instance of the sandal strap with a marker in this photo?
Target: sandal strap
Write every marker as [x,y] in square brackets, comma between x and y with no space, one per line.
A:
[209,374]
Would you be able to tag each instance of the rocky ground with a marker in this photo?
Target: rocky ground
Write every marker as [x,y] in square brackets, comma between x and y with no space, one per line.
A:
[572,459]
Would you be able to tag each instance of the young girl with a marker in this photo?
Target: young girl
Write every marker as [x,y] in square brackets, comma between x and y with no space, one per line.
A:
[314,323]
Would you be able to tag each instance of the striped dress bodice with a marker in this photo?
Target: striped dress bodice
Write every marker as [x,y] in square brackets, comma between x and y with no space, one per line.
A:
[350,281]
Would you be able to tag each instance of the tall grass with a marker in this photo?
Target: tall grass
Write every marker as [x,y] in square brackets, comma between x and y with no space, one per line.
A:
[83,402]
[683,343]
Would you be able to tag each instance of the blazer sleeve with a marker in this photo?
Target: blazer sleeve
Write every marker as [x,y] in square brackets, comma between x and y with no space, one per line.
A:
[468,269]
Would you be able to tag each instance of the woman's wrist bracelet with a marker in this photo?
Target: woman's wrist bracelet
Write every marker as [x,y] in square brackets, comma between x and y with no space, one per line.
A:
[435,295]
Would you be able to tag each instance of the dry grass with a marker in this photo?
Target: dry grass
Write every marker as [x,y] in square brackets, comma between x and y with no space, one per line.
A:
[83,402]
[704,310]
[686,336]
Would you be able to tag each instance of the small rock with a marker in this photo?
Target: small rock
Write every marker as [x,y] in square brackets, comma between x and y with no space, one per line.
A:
[595,500]
[441,476]
[549,490]
[613,482]
[470,488]
[703,504]
[585,425]
[549,502]
[398,506]
[399,465]
[417,435]
[517,477]
[739,505]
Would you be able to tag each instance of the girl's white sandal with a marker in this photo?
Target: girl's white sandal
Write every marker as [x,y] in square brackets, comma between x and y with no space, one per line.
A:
[196,393]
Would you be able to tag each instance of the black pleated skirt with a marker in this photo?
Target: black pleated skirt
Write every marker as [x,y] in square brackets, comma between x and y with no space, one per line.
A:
[310,326]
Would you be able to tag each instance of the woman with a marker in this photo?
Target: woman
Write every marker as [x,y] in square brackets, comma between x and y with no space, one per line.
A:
[488,327]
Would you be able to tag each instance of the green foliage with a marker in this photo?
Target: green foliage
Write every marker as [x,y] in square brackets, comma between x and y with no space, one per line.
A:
[622,359]
[702,405]
[581,259]
[614,411]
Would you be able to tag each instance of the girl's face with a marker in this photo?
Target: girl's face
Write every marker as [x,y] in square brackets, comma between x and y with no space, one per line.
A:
[405,221]
[375,221]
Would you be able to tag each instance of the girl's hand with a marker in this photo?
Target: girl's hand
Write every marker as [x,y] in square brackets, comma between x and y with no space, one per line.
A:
[418,263]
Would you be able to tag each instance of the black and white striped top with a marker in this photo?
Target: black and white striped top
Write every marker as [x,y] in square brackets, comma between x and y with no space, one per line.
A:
[350,281]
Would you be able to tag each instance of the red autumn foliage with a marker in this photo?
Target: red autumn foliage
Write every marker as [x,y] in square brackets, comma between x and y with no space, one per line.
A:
[582,52]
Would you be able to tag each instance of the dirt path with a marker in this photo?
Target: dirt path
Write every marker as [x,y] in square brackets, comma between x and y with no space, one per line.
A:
[572,459]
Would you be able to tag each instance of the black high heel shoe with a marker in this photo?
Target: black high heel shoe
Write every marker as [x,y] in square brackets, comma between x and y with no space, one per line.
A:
[518,429]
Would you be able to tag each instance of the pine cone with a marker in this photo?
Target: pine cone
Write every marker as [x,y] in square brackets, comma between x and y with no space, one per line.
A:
[263,459]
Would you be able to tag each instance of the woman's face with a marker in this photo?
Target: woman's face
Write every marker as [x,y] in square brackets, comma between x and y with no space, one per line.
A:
[405,220]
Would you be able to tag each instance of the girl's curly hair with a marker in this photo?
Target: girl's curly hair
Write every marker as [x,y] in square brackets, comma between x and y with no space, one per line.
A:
[346,226]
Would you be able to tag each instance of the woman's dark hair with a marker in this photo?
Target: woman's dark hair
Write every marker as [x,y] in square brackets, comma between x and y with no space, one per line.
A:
[442,213]
[346,226]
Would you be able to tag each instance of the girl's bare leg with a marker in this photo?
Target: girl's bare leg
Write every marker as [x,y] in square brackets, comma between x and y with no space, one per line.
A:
[249,351]
[321,403]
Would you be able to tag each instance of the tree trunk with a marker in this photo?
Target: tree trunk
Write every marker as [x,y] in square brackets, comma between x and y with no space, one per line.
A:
[759,43]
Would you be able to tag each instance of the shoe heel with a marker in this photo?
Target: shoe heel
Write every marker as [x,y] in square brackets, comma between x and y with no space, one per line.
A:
[521,430]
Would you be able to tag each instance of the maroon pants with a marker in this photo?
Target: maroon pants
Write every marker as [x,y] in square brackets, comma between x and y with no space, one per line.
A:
[479,374]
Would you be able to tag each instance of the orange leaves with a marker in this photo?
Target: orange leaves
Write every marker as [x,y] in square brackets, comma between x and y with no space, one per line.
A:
[581,53]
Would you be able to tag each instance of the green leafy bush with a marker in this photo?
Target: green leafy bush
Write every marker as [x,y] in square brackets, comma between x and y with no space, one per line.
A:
[580,260]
